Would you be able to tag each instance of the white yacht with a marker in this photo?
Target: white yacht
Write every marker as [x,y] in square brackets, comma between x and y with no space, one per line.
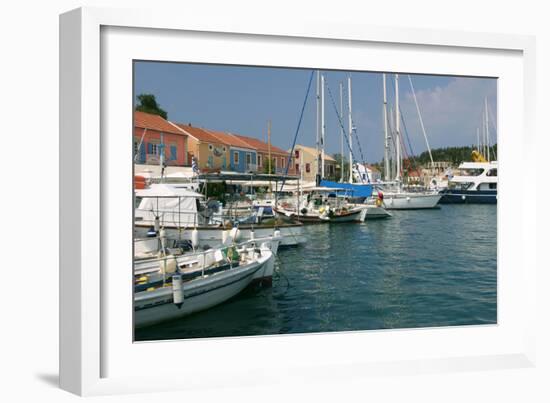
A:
[477,183]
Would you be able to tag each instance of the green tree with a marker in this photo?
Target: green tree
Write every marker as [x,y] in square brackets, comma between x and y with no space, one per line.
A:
[148,104]
[266,166]
[338,158]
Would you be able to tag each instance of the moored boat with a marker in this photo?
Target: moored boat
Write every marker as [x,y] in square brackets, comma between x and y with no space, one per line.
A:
[185,217]
[476,184]
[321,205]
[170,288]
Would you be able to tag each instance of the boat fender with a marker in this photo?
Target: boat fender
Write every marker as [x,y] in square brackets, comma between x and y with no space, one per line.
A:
[463,197]
[408,198]
[322,210]
[157,223]
[177,290]
[195,238]
[234,234]
[224,236]
[252,237]
[167,264]
[162,236]
[151,233]
[277,233]
[170,265]
[378,202]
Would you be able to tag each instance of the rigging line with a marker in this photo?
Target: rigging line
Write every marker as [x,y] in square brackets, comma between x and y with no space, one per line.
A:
[297,129]
[341,124]
[420,118]
[402,119]
[411,155]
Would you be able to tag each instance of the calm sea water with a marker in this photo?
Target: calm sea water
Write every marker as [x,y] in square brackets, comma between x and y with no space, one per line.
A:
[416,269]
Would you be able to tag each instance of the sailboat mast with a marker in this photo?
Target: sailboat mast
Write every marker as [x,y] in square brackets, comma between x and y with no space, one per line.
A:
[318,129]
[487,129]
[341,132]
[322,126]
[350,125]
[397,133]
[269,146]
[386,137]
[478,145]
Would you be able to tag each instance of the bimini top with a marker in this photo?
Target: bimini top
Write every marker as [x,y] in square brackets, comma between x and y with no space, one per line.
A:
[168,190]
[355,189]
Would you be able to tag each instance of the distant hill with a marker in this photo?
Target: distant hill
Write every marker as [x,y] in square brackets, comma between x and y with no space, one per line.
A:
[454,155]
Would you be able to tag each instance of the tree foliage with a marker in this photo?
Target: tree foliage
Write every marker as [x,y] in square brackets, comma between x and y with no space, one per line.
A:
[266,166]
[454,155]
[338,158]
[148,104]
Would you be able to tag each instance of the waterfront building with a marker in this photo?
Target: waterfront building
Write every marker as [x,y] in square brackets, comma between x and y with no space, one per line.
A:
[305,163]
[210,152]
[151,134]
[279,157]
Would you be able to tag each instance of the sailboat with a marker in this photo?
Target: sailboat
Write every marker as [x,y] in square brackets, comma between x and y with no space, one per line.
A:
[321,204]
[358,188]
[393,194]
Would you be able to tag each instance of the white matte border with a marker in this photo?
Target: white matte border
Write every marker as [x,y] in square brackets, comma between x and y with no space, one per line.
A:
[280,358]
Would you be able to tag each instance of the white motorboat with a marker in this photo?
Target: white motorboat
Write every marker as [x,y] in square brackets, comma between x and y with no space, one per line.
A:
[477,183]
[171,287]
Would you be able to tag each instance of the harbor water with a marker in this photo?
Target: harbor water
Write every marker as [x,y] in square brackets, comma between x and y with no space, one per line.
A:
[417,269]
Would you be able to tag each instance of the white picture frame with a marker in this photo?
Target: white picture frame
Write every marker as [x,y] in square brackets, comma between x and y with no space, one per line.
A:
[96,355]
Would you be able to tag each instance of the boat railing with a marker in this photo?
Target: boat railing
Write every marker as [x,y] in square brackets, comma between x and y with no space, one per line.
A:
[205,258]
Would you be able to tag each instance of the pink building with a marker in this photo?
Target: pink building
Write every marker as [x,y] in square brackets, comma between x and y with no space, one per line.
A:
[147,140]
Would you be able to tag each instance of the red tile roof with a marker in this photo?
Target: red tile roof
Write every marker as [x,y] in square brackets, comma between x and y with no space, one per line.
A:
[198,133]
[155,122]
[230,139]
[261,146]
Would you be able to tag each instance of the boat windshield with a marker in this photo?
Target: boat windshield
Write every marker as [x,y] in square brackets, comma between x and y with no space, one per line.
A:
[471,172]
[460,185]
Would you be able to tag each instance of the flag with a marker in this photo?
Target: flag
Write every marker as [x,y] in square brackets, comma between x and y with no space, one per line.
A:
[194,165]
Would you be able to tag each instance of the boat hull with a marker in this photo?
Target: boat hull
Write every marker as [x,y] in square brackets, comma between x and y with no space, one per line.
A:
[357,215]
[410,201]
[468,197]
[151,307]
[375,212]
[291,235]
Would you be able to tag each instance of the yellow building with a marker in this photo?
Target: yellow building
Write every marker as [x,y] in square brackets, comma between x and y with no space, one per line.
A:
[305,160]
[210,152]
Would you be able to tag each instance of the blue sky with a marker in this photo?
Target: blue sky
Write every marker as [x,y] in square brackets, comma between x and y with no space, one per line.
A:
[242,99]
